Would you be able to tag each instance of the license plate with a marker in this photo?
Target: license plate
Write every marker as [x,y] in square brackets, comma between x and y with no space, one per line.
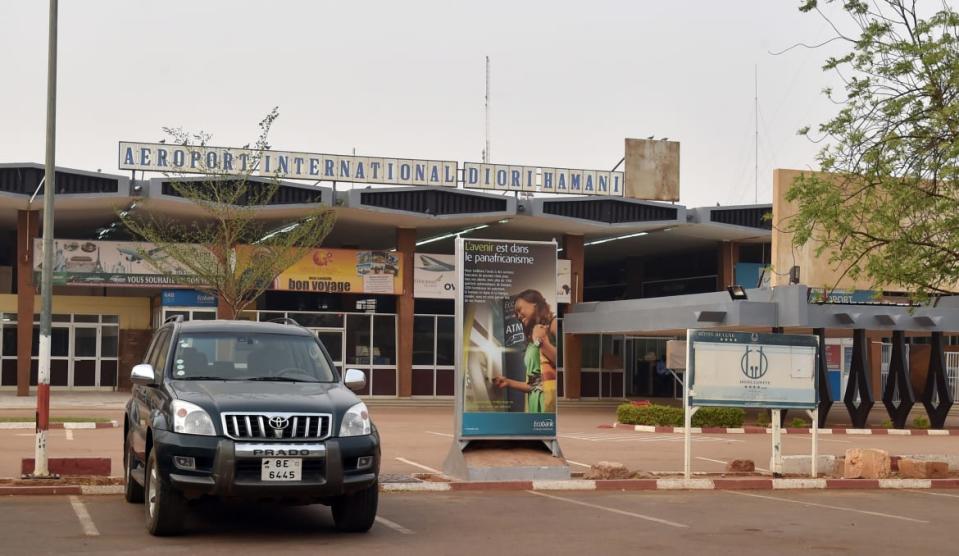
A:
[281,469]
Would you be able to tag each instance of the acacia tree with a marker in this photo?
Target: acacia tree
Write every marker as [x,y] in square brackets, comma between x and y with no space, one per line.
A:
[229,248]
[886,207]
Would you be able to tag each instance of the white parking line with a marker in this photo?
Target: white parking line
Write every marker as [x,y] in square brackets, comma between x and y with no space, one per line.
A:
[69,433]
[611,510]
[933,493]
[89,529]
[393,525]
[634,437]
[827,506]
[443,434]
[420,465]
[578,463]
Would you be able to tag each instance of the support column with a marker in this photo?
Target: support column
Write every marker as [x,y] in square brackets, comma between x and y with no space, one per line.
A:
[28,225]
[822,373]
[858,398]
[405,248]
[573,250]
[728,257]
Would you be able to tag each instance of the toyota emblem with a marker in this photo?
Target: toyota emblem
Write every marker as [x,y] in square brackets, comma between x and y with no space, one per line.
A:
[279,423]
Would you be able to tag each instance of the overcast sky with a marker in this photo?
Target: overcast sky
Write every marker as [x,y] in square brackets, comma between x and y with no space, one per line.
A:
[405,79]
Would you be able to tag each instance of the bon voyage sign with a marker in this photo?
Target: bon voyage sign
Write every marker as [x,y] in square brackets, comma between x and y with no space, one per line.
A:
[344,271]
[506,339]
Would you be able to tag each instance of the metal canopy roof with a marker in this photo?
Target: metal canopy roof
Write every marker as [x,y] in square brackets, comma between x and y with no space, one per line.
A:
[784,306]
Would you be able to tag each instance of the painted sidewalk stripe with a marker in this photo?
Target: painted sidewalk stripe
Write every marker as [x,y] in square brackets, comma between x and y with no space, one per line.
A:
[443,434]
[827,506]
[420,465]
[578,463]
[611,510]
[933,493]
[393,525]
[89,529]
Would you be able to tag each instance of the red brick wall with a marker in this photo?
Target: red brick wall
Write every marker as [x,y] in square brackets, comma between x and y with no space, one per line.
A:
[133,348]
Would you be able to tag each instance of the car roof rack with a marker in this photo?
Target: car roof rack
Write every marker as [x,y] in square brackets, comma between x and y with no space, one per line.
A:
[285,320]
[173,318]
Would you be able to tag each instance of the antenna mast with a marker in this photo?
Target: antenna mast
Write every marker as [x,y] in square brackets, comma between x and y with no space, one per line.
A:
[756,118]
[486,156]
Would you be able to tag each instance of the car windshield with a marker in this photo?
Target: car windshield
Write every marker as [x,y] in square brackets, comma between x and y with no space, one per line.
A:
[264,357]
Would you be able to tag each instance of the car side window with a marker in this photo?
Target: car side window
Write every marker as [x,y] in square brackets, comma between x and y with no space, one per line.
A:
[163,350]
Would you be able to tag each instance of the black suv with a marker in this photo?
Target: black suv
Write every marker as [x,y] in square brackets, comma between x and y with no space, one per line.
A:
[237,409]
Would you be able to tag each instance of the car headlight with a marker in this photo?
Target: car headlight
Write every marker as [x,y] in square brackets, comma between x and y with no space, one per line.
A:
[190,418]
[356,421]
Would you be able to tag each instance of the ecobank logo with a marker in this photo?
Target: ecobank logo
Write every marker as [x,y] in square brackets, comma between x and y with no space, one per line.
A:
[543,424]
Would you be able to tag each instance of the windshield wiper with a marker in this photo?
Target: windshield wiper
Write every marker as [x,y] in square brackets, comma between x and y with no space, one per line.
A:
[202,378]
[279,379]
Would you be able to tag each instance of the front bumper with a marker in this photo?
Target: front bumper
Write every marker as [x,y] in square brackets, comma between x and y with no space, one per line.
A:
[229,468]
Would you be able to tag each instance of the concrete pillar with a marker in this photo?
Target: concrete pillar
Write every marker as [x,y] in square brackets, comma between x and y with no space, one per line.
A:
[405,248]
[573,345]
[728,257]
[28,225]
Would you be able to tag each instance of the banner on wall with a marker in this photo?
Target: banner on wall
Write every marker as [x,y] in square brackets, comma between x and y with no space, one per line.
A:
[434,277]
[344,271]
[506,339]
[107,263]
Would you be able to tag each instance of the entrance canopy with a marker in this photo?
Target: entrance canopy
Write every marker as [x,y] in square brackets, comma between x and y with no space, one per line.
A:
[784,306]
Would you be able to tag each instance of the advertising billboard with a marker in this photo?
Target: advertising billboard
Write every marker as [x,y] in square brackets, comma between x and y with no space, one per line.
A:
[434,277]
[344,271]
[506,341]
[108,263]
[746,369]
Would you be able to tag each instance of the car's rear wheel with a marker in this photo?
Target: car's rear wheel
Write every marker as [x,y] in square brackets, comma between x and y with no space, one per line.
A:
[132,490]
[355,513]
[164,506]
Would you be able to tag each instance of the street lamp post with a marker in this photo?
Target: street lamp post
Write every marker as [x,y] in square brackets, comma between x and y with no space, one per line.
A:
[41,469]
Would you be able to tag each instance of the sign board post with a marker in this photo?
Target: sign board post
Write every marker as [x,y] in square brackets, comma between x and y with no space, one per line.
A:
[751,370]
[506,349]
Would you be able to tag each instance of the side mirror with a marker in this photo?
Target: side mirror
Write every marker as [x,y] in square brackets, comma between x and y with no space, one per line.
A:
[355,379]
[143,375]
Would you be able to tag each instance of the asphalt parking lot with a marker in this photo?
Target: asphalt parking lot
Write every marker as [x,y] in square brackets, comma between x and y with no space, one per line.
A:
[417,439]
[909,522]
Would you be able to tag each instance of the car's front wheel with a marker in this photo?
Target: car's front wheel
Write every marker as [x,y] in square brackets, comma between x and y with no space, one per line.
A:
[164,505]
[355,513]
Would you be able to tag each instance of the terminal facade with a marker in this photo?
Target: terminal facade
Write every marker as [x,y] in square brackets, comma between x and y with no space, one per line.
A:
[616,248]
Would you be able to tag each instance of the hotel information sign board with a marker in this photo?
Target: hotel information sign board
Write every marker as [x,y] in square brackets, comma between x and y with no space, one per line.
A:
[744,369]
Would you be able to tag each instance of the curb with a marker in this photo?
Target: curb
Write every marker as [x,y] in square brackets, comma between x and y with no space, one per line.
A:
[623,485]
[79,425]
[785,430]
[675,484]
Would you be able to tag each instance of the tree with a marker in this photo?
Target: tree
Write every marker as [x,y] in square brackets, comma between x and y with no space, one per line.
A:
[886,205]
[230,248]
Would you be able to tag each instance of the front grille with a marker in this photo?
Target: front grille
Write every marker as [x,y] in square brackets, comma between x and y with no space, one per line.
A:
[249,469]
[277,426]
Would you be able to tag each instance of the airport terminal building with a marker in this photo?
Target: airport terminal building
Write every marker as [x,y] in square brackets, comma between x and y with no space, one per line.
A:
[399,329]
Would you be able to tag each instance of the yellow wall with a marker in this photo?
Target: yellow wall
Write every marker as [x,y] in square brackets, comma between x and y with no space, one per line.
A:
[134,312]
[813,271]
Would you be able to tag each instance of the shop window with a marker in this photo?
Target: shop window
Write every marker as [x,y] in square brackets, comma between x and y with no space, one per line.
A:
[423,336]
[590,353]
[358,339]
[110,319]
[384,382]
[384,340]
[204,315]
[445,343]
[333,342]
[422,382]
[10,341]
[60,318]
[85,342]
[318,320]
[59,372]
[109,341]
[8,376]
[84,373]
[85,318]
[108,373]
[60,341]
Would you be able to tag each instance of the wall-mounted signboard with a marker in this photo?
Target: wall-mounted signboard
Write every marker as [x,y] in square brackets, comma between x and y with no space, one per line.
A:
[186,159]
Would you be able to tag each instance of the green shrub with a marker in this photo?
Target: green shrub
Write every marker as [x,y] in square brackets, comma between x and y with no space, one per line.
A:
[762,419]
[887,424]
[920,422]
[668,416]
[798,423]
